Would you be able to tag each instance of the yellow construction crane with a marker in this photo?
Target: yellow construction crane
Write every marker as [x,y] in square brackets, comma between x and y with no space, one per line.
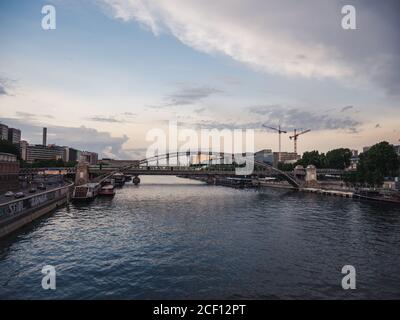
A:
[295,137]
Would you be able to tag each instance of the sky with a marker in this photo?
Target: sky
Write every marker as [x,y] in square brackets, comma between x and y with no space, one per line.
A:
[113,70]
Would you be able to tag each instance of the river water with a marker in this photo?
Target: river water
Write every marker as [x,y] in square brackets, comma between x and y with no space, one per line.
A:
[173,238]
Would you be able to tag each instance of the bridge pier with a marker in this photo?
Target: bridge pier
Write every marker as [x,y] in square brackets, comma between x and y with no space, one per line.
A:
[211,180]
[136,180]
[82,174]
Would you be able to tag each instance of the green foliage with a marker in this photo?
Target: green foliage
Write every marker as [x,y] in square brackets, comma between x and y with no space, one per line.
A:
[49,164]
[334,159]
[338,158]
[378,162]
[313,157]
[8,147]
[350,178]
[286,166]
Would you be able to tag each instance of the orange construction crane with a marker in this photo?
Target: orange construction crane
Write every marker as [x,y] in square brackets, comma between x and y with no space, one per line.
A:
[295,137]
[279,131]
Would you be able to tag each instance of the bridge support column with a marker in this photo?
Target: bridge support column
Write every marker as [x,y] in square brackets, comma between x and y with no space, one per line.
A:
[311,176]
[211,180]
[82,173]
[136,180]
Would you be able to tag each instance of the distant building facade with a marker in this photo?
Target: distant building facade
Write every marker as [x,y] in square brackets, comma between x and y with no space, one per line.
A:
[354,160]
[3,132]
[9,168]
[14,135]
[286,157]
[39,152]
[23,146]
[89,157]
[397,149]
[266,156]
[365,149]
[72,154]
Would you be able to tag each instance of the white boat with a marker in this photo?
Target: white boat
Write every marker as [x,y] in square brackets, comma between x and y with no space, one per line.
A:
[86,191]
[107,190]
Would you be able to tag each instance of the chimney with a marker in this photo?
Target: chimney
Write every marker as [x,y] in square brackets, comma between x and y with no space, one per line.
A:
[45,136]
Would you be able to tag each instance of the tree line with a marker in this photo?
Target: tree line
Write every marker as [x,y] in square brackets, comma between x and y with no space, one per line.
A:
[380,161]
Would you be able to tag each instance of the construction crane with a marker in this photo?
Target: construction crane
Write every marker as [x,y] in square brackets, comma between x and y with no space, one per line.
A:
[295,136]
[279,131]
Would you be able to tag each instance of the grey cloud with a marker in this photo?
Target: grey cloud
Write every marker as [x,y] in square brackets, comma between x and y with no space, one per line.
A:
[200,110]
[291,118]
[294,38]
[117,118]
[136,153]
[2,90]
[31,116]
[4,86]
[220,125]
[347,108]
[190,94]
[105,119]
[82,138]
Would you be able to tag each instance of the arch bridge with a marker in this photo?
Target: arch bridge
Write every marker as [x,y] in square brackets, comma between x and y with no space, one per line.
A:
[208,163]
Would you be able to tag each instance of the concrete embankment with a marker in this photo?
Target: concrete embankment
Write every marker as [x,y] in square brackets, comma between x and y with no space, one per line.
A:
[17,213]
[336,193]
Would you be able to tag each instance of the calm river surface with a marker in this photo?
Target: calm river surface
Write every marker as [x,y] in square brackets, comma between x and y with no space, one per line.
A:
[173,238]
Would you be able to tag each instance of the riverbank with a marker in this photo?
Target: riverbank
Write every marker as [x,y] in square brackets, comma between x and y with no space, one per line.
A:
[325,189]
[17,213]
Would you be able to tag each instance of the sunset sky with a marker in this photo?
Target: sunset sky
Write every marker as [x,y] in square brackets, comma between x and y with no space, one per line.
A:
[114,69]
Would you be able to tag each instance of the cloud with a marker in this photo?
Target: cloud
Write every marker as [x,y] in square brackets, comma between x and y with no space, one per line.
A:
[190,95]
[31,116]
[200,110]
[347,108]
[81,138]
[105,119]
[2,90]
[4,86]
[294,118]
[220,125]
[290,38]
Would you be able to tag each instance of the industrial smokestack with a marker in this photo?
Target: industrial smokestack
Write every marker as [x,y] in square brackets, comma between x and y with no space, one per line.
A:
[45,136]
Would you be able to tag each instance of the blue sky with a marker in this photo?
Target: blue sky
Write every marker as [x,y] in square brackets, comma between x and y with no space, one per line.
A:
[115,69]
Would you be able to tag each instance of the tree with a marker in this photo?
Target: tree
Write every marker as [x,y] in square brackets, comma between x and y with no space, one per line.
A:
[350,178]
[285,166]
[314,158]
[378,162]
[338,158]
[8,147]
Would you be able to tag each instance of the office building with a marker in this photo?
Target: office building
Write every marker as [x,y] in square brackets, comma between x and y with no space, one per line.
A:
[89,157]
[9,168]
[354,153]
[23,145]
[14,135]
[39,152]
[71,154]
[3,132]
[266,156]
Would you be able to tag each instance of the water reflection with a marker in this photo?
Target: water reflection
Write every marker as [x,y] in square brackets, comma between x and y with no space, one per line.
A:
[178,238]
